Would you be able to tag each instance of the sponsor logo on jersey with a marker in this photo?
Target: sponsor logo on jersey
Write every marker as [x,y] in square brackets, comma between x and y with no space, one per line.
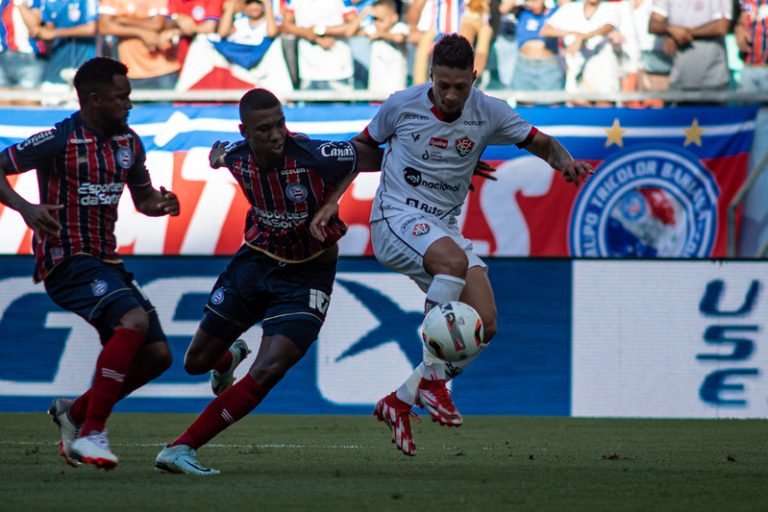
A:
[646,201]
[474,123]
[95,194]
[411,115]
[426,208]
[341,151]
[414,178]
[298,170]
[37,139]
[124,158]
[415,136]
[464,145]
[217,297]
[99,287]
[420,228]
[280,219]
[438,142]
[296,192]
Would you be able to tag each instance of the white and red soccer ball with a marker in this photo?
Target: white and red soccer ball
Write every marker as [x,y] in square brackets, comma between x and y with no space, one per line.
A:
[453,331]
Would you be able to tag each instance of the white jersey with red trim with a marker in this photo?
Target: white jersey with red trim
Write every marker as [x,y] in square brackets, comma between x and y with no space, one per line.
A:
[428,163]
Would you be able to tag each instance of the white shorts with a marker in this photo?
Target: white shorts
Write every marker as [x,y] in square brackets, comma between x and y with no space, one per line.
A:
[400,242]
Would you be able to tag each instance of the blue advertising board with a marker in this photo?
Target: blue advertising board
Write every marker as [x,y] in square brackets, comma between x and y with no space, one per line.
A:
[367,347]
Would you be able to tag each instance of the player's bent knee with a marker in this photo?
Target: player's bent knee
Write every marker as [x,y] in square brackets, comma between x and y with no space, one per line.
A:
[136,319]
[195,364]
[156,357]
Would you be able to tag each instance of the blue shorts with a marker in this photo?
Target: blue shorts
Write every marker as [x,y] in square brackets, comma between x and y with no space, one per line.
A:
[101,293]
[257,288]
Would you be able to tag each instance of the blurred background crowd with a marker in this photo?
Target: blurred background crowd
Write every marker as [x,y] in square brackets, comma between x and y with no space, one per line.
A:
[592,46]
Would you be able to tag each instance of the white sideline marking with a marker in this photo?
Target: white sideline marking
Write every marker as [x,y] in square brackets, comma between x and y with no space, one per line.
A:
[212,445]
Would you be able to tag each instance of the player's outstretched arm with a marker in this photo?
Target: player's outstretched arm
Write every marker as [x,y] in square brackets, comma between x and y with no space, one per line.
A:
[550,150]
[37,216]
[155,203]
[217,154]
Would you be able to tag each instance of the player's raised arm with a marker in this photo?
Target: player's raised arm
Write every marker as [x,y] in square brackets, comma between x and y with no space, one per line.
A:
[550,150]
[37,216]
[217,154]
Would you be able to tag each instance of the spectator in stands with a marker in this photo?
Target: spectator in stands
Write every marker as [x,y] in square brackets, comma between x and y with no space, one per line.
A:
[538,66]
[359,43]
[249,23]
[475,25]
[20,66]
[193,17]
[696,41]
[143,45]
[645,65]
[505,45]
[388,66]
[752,37]
[69,29]
[325,58]
[592,64]
[427,20]
[241,53]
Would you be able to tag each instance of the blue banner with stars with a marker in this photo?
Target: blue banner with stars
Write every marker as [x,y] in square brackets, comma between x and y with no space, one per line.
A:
[663,182]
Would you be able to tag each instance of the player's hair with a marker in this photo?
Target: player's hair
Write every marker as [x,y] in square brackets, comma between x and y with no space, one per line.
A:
[386,3]
[453,51]
[97,74]
[257,99]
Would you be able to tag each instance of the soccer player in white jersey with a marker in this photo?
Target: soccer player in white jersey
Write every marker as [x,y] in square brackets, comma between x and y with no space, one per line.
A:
[435,134]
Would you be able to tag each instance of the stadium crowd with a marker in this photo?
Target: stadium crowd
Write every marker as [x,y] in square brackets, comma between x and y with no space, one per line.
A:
[593,46]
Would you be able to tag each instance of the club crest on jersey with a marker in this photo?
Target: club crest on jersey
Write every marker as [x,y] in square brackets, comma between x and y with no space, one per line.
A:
[99,287]
[464,145]
[647,201]
[124,158]
[217,297]
[296,192]
[420,228]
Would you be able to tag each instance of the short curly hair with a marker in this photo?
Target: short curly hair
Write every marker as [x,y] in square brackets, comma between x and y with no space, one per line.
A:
[453,51]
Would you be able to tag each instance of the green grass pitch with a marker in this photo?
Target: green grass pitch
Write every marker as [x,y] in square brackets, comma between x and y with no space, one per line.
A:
[346,464]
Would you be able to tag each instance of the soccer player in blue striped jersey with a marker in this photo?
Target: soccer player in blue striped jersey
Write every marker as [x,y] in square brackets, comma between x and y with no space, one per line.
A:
[282,276]
[83,165]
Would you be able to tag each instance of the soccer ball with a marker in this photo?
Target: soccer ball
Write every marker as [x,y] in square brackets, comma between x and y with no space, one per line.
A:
[453,331]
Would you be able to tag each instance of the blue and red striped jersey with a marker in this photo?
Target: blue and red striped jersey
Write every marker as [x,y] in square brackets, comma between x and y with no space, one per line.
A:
[86,173]
[756,14]
[14,34]
[284,198]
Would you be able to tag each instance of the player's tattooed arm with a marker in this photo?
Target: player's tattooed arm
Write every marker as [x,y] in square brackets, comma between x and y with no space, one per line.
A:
[37,216]
[550,150]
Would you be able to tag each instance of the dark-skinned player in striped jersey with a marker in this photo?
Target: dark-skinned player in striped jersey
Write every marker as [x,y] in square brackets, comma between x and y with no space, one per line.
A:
[282,276]
[83,165]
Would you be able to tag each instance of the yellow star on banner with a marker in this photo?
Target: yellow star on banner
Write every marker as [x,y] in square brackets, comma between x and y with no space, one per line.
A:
[615,134]
[693,134]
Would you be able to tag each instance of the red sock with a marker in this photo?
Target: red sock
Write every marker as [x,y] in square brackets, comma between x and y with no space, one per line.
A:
[134,379]
[111,368]
[224,362]
[227,408]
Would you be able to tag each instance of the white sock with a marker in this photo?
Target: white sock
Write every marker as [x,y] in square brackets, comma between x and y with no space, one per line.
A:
[444,288]
[430,371]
